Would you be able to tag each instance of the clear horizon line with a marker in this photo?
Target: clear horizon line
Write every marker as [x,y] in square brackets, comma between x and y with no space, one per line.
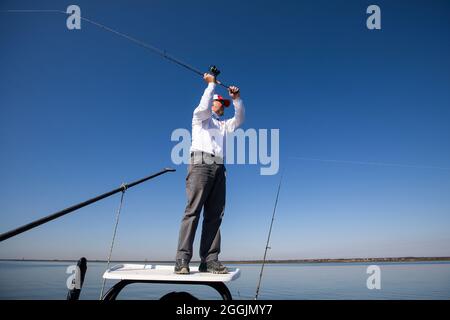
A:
[240,260]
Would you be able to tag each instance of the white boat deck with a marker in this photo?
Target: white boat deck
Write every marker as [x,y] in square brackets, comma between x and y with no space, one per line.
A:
[165,273]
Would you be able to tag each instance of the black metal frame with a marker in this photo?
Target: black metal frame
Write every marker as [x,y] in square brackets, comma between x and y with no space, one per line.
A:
[220,287]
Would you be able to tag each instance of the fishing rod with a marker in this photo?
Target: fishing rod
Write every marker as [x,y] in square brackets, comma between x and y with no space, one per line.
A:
[80,205]
[212,69]
[268,238]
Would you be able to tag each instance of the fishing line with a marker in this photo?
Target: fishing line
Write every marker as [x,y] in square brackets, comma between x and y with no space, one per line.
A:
[114,236]
[371,163]
[268,238]
[213,70]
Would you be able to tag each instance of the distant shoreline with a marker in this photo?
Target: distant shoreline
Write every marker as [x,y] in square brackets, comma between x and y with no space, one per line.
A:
[305,261]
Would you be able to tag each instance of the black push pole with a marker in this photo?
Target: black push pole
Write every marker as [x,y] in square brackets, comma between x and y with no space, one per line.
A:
[61,213]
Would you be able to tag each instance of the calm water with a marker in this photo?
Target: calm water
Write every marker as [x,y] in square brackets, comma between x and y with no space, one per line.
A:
[421,280]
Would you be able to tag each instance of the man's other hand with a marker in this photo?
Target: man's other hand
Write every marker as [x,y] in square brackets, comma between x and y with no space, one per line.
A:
[234,92]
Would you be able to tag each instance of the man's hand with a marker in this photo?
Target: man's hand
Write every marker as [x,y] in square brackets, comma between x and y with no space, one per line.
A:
[209,78]
[234,92]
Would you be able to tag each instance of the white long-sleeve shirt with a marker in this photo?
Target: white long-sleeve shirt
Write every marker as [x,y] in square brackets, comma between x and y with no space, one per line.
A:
[208,131]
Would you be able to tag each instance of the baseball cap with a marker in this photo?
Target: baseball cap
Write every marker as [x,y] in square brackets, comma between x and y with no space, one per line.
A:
[218,97]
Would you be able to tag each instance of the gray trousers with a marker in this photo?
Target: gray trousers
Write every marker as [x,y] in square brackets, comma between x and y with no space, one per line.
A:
[205,189]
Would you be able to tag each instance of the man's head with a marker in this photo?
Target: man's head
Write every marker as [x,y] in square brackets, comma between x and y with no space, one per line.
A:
[219,103]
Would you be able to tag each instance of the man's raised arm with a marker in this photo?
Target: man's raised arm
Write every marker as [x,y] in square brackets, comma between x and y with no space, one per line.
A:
[239,110]
[203,111]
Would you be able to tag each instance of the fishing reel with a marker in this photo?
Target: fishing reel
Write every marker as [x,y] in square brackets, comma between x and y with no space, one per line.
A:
[214,71]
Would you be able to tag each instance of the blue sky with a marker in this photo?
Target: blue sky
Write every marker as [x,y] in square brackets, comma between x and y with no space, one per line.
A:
[83,111]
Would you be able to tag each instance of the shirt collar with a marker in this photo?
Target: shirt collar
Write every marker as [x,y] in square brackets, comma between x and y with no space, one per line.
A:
[215,116]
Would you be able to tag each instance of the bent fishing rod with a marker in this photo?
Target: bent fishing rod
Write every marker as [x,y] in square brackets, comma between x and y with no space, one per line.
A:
[162,53]
[268,238]
[80,205]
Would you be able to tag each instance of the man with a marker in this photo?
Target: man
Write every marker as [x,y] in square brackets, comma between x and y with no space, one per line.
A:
[205,182]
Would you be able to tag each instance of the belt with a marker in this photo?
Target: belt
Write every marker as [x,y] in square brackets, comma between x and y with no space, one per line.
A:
[200,155]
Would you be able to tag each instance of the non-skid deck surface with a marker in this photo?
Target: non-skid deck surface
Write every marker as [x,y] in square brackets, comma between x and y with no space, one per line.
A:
[165,273]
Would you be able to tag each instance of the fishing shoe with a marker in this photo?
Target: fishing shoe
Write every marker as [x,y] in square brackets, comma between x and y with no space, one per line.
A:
[213,266]
[181,266]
